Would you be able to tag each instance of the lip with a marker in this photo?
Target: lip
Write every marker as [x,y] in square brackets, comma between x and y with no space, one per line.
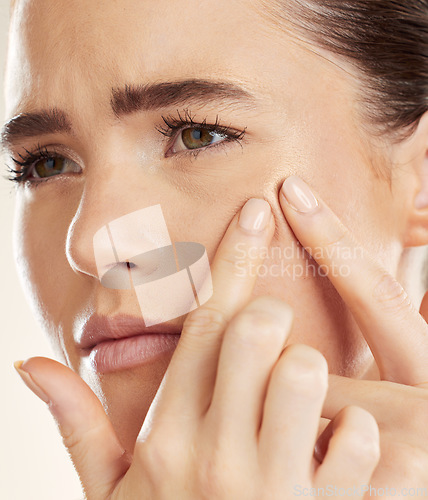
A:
[121,342]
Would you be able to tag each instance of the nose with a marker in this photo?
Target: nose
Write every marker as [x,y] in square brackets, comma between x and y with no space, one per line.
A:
[109,236]
[134,249]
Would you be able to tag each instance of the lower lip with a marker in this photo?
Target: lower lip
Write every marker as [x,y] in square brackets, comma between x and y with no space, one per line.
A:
[114,355]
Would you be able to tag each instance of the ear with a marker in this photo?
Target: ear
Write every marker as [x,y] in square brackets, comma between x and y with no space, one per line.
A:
[414,153]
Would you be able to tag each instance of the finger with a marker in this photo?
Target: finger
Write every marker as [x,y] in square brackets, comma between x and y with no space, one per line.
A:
[291,414]
[393,328]
[186,389]
[87,433]
[375,397]
[321,446]
[353,452]
[252,343]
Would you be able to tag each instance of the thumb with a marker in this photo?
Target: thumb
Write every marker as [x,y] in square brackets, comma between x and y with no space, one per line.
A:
[98,456]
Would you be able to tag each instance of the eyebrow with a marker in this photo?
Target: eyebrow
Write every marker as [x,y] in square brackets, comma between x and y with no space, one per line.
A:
[127,100]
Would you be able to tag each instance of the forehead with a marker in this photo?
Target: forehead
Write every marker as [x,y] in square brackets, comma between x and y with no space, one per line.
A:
[58,46]
[71,56]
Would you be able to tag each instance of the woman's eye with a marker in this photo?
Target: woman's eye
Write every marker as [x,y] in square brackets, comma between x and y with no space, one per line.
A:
[48,167]
[196,138]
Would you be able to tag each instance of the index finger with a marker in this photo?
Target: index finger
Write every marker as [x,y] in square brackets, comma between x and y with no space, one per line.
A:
[188,383]
[393,328]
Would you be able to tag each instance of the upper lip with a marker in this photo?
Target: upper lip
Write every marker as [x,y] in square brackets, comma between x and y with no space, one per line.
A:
[98,329]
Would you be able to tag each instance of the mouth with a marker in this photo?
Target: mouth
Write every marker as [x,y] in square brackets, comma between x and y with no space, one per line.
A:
[123,342]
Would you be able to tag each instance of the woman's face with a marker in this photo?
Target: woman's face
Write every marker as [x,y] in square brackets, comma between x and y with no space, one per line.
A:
[300,115]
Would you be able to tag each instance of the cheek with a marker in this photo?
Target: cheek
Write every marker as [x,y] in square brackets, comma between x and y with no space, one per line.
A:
[362,201]
[216,189]
[321,318]
[40,234]
[365,206]
[337,163]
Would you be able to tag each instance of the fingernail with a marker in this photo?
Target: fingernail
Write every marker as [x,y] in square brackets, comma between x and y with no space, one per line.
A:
[255,215]
[29,381]
[298,194]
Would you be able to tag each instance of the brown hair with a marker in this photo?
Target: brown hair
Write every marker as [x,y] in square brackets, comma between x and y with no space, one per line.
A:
[386,41]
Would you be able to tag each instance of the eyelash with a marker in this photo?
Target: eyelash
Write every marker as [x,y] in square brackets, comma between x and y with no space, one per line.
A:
[28,160]
[171,128]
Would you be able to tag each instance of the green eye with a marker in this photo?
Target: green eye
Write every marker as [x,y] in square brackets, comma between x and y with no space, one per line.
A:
[195,138]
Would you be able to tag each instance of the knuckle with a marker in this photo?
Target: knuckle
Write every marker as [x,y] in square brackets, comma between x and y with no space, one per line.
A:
[360,436]
[75,441]
[205,320]
[210,479]
[255,328]
[279,311]
[71,441]
[156,455]
[390,295]
[217,478]
[274,304]
[232,263]
[362,448]
[335,241]
[304,370]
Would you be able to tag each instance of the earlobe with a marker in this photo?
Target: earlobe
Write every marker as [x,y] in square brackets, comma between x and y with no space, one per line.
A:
[417,153]
[421,199]
[417,229]
[417,235]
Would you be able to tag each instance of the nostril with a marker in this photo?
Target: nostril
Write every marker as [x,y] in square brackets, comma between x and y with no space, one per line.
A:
[117,265]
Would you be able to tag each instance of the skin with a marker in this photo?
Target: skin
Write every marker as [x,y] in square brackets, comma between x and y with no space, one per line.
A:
[306,120]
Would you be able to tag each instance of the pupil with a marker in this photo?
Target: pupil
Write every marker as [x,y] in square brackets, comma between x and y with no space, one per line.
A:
[50,163]
[197,134]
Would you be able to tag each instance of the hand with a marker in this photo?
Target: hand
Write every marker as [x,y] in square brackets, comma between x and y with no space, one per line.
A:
[236,415]
[395,331]
[401,413]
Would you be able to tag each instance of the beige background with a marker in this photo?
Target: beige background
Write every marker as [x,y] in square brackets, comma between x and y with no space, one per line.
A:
[33,462]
